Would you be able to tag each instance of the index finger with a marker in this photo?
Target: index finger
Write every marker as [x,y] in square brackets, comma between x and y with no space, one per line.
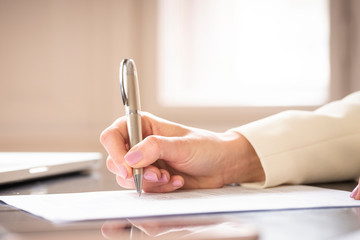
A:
[114,139]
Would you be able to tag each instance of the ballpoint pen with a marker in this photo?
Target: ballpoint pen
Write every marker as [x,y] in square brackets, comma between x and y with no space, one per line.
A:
[131,98]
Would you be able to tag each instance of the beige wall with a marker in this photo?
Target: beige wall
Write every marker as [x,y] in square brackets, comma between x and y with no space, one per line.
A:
[59,63]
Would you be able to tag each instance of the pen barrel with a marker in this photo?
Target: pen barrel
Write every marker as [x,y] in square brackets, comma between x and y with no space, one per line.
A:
[134,127]
[138,172]
[135,136]
[132,101]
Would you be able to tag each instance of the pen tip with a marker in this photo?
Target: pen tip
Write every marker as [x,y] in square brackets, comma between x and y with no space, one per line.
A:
[138,183]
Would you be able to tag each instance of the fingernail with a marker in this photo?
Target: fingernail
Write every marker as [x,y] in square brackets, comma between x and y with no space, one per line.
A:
[123,172]
[177,183]
[354,192]
[163,178]
[151,176]
[133,157]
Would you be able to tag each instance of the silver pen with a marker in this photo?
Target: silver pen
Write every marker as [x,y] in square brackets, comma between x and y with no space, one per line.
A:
[131,98]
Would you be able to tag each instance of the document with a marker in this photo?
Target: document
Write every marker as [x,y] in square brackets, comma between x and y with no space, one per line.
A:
[127,204]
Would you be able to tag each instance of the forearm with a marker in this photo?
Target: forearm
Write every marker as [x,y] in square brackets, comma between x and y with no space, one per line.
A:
[305,147]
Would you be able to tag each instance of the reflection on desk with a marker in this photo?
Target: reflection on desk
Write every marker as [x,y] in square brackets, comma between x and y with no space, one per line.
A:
[169,228]
[187,227]
[287,224]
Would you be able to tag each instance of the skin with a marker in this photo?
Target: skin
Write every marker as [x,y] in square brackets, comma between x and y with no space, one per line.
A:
[175,156]
[356,193]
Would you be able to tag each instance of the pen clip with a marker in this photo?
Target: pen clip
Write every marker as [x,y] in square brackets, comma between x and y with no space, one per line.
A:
[129,85]
[122,77]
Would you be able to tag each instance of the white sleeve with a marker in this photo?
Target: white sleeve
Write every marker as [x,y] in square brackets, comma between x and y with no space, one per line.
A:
[298,147]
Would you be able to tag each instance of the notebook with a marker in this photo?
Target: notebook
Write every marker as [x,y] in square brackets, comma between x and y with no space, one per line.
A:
[22,166]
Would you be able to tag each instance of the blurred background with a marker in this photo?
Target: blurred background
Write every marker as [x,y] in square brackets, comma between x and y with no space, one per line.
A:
[210,64]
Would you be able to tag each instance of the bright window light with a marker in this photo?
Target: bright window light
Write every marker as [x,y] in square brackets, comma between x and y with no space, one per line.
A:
[243,52]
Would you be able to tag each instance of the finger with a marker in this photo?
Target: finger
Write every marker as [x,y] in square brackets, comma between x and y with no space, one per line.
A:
[122,170]
[169,184]
[357,195]
[354,192]
[111,166]
[114,140]
[165,176]
[153,147]
[157,180]
[152,177]
[174,183]
[125,183]
[152,174]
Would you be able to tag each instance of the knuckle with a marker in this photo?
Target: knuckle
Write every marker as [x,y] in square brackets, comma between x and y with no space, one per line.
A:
[112,129]
[154,143]
[105,135]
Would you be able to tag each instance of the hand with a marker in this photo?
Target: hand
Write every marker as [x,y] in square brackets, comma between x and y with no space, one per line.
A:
[175,156]
[355,194]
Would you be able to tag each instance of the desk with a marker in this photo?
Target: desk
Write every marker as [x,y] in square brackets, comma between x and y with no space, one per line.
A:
[290,224]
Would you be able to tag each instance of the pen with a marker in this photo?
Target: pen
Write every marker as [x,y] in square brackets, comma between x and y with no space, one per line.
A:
[131,98]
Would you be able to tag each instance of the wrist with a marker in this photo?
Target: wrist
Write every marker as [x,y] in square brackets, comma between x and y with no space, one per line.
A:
[242,162]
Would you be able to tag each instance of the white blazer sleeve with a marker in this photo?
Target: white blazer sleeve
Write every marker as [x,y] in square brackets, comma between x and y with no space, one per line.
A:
[298,147]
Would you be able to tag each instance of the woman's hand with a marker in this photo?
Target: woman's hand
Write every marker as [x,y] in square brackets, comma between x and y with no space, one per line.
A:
[175,156]
[355,194]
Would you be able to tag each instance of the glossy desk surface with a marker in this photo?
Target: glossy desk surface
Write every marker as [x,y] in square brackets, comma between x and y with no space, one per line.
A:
[338,223]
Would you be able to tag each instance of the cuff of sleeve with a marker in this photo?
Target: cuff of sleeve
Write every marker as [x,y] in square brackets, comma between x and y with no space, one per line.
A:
[297,147]
[274,155]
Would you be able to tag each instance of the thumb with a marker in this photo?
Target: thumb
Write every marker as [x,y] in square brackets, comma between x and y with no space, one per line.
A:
[153,148]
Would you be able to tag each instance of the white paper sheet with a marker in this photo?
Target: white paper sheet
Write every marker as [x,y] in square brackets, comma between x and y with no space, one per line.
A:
[127,204]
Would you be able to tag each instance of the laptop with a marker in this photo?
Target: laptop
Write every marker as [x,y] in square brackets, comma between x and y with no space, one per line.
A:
[22,166]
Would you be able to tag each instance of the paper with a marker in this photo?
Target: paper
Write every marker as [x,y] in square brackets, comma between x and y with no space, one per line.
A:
[127,204]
